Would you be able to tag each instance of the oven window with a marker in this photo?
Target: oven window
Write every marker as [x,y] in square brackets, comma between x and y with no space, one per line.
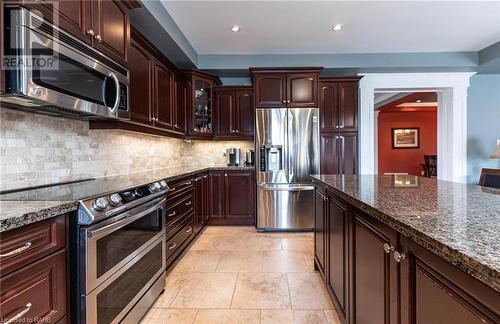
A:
[69,76]
[114,298]
[116,246]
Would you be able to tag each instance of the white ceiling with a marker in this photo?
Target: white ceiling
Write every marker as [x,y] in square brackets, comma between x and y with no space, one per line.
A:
[304,27]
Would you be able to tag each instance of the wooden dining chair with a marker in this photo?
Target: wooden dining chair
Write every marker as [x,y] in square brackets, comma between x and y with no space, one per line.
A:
[490,178]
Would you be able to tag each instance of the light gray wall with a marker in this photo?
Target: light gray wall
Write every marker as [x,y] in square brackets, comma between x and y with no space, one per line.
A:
[483,123]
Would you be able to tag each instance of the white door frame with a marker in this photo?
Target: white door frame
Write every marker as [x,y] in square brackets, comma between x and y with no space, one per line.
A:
[452,117]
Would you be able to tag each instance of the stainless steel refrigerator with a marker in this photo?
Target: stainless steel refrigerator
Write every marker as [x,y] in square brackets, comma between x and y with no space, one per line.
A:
[287,152]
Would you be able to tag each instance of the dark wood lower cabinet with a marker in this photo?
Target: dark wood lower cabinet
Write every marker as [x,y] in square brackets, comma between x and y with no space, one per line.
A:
[233,197]
[376,275]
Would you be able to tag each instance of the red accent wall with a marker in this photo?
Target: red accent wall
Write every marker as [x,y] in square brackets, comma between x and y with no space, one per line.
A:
[405,160]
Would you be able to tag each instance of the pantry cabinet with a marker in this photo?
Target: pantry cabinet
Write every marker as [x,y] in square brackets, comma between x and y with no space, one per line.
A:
[291,88]
[338,153]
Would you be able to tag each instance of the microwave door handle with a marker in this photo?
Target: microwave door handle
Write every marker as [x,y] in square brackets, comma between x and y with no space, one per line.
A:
[117,83]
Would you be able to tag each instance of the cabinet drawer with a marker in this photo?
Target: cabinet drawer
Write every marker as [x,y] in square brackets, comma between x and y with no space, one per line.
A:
[176,243]
[174,226]
[180,207]
[36,293]
[179,186]
[30,243]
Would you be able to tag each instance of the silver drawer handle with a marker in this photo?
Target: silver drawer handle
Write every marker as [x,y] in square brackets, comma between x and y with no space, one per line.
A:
[171,214]
[189,230]
[399,256]
[20,314]
[188,183]
[17,251]
[172,246]
[172,189]
[188,203]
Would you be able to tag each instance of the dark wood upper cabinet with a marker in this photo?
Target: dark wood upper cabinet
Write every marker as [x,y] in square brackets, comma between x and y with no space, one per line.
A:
[245,113]
[302,90]
[74,17]
[163,95]
[240,199]
[225,109]
[180,104]
[234,113]
[285,87]
[111,25]
[201,114]
[141,82]
[338,104]
[270,90]
[372,270]
[329,106]
[338,253]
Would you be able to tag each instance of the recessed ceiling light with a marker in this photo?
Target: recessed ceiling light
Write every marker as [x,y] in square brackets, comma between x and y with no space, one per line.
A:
[337,27]
[235,28]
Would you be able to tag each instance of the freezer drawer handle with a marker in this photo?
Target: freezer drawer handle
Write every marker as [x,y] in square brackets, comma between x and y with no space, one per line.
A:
[302,188]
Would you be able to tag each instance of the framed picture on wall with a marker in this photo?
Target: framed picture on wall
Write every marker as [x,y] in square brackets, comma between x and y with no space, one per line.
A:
[405,138]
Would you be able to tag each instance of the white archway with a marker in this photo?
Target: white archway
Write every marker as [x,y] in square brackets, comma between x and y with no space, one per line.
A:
[452,118]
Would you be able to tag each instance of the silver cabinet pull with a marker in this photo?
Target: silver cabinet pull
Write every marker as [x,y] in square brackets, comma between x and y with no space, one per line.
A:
[225,174]
[236,131]
[20,314]
[188,183]
[341,126]
[90,32]
[172,246]
[172,214]
[205,176]
[387,248]
[188,203]
[172,189]
[189,230]
[17,251]
[399,256]
[99,38]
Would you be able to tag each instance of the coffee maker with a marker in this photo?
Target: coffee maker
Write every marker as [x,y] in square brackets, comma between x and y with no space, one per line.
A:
[233,156]
[250,158]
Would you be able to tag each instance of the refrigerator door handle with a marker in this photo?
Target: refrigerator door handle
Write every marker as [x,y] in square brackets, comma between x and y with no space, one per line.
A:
[268,187]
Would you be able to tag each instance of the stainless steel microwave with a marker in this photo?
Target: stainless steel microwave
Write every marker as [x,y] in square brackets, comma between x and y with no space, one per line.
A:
[49,71]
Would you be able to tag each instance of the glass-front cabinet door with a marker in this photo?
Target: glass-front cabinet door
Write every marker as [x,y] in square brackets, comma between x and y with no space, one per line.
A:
[202,119]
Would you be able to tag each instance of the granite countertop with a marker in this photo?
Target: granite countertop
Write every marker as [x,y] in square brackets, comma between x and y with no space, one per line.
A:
[26,207]
[458,222]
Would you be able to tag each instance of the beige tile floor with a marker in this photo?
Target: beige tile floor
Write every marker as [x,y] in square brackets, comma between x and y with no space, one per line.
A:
[236,275]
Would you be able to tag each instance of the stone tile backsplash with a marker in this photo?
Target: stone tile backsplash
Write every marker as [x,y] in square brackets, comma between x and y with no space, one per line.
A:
[37,149]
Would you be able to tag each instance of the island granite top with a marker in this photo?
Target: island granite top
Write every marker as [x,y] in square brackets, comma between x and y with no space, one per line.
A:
[25,207]
[458,222]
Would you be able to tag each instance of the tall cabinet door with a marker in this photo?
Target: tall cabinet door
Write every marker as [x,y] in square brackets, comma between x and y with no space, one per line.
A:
[180,106]
[347,153]
[245,116]
[329,106]
[112,28]
[348,106]
[225,109]
[217,193]
[319,230]
[338,253]
[270,90]
[373,272]
[329,153]
[240,197]
[163,95]
[140,72]
[302,90]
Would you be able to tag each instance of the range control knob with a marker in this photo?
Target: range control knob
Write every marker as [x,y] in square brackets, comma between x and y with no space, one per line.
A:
[138,192]
[100,204]
[152,188]
[157,186]
[115,199]
[163,184]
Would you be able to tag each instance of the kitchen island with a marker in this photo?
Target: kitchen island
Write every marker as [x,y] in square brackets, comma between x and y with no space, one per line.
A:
[405,249]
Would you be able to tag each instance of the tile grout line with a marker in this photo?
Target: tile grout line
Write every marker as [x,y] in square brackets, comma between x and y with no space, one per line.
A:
[234,290]
[289,292]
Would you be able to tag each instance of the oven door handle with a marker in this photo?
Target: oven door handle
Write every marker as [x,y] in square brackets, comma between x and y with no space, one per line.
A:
[106,229]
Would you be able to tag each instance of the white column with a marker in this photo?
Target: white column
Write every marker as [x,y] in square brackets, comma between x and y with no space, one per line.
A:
[366,129]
